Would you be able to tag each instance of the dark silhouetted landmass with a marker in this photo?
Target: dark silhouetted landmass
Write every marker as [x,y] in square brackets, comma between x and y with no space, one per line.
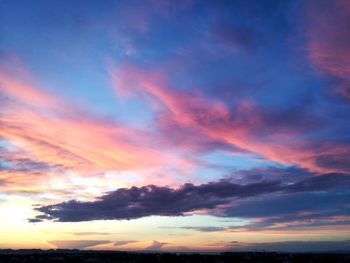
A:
[77,256]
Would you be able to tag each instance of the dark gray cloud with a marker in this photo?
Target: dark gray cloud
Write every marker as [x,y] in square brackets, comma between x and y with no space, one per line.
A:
[198,228]
[293,211]
[319,183]
[286,175]
[320,203]
[263,198]
[150,200]
[205,228]
[284,212]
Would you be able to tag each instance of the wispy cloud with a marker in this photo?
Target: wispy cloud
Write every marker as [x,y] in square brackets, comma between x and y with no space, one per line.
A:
[124,242]
[77,244]
[62,137]
[245,125]
[92,233]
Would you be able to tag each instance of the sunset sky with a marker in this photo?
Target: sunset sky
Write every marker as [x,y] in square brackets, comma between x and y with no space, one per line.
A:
[180,125]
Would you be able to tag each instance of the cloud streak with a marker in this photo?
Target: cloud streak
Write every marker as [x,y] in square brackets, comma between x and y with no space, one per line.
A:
[62,136]
[245,125]
[124,242]
[77,244]
[292,246]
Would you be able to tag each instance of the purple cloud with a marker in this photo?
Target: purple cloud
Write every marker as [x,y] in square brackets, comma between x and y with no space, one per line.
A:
[137,202]
[150,200]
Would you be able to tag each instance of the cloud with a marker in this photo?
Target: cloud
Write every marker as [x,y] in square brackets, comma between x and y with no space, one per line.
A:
[18,171]
[56,135]
[150,200]
[137,202]
[329,41]
[289,204]
[204,228]
[24,165]
[319,183]
[297,212]
[77,244]
[156,245]
[292,246]
[283,135]
[91,233]
[124,242]
[334,160]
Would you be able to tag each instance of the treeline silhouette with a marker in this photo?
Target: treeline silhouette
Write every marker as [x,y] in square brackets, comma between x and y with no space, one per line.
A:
[77,256]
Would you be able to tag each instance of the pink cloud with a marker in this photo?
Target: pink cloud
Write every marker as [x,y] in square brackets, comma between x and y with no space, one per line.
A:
[53,130]
[329,40]
[190,108]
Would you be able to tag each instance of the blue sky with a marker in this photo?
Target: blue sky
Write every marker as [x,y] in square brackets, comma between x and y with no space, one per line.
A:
[189,112]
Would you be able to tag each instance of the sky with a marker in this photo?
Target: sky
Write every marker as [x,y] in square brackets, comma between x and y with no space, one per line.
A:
[175,125]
